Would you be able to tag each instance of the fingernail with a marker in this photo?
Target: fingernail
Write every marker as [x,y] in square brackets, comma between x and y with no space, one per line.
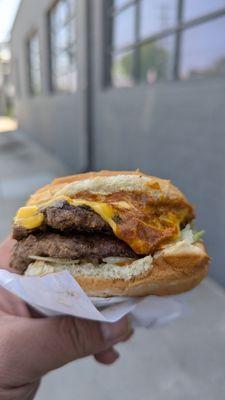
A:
[107,357]
[115,330]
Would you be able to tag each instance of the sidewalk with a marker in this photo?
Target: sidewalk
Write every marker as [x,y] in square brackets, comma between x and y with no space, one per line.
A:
[183,361]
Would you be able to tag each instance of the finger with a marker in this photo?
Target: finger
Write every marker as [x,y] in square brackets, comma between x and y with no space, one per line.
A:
[128,336]
[107,357]
[111,355]
[10,304]
[6,248]
[41,345]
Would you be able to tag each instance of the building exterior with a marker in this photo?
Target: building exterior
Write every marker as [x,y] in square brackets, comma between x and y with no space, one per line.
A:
[6,87]
[127,84]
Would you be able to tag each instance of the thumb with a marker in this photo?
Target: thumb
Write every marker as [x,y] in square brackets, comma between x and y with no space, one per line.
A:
[34,347]
[6,248]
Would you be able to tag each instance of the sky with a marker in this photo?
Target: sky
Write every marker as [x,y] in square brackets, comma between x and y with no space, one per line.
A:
[8,9]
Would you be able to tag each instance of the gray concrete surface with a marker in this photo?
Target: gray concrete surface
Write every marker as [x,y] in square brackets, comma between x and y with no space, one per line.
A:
[183,361]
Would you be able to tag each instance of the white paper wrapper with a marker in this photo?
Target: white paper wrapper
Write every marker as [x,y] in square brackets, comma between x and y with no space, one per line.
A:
[59,293]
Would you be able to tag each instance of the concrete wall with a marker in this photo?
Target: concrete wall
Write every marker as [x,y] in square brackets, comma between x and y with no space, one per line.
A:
[173,130]
[55,120]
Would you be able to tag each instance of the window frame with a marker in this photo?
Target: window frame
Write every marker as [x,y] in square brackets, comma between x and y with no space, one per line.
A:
[71,20]
[180,26]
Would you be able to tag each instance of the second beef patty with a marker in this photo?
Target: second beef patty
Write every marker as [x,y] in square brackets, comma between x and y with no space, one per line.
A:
[94,246]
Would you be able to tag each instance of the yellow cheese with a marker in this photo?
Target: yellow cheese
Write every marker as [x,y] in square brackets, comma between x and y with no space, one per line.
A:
[103,209]
[29,217]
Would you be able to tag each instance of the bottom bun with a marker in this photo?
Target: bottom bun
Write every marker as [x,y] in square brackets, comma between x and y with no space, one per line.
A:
[175,269]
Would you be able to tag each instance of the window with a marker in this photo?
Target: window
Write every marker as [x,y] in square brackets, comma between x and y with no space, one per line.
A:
[203,50]
[123,32]
[156,60]
[34,65]
[122,69]
[157,15]
[195,8]
[158,40]
[62,35]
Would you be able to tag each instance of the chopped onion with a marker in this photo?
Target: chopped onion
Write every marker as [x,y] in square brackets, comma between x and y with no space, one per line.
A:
[116,260]
[55,260]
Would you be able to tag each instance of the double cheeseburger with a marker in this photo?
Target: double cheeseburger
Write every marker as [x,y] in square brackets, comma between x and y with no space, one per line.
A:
[117,233]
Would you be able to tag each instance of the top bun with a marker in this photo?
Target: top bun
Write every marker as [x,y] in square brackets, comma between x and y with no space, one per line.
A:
[106,182]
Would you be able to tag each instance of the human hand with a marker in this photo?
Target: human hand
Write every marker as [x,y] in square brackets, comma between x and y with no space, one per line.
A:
[31,345]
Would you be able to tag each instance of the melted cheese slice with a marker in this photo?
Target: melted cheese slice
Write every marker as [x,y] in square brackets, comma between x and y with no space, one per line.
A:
[144,229]
[29,217]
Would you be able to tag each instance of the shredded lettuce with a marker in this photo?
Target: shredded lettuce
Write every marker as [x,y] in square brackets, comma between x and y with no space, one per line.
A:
[198,235]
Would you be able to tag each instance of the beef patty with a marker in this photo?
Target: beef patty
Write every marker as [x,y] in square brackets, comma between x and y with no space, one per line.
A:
[72,247]
[64,217]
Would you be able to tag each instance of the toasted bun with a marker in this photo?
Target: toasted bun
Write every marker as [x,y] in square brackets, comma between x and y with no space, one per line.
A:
[108,182]
[175,269]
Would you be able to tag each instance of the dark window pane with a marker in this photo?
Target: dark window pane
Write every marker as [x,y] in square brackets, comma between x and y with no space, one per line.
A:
[197,8]
[124,28]
[156,60]
[34,65]
[122,70]
[62,64]
[157,15]
[203,50]
[72,31]
[61,13]
[60,38]
[62,35]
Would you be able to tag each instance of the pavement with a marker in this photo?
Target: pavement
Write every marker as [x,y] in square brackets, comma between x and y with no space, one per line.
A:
[182,361]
